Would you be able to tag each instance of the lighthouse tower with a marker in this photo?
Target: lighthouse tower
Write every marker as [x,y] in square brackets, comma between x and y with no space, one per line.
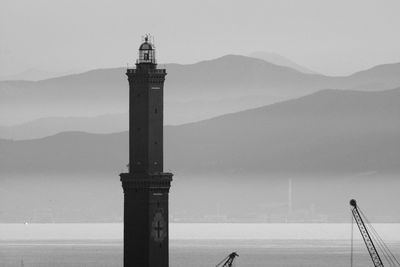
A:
[146,185]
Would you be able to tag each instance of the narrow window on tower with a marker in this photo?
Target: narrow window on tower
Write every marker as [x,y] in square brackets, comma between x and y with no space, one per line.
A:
[155,111]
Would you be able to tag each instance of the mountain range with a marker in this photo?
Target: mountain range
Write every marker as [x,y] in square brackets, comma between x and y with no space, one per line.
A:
[35,75]
[280,61]
[108,123]
[277,125]
[333,144]
[227,84]
[328,131]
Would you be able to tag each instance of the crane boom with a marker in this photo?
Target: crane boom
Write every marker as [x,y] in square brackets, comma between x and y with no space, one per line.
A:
[228,261]
[364,233]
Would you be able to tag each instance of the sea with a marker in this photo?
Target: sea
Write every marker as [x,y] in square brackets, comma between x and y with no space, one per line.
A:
[194,244]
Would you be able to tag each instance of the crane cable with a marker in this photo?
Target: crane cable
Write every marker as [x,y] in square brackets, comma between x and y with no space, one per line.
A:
[391,259]
[376,239]
[219,264]
[352,237]
[381,245]
[387,248]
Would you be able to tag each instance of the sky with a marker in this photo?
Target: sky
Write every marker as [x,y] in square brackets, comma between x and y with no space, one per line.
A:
[333,37]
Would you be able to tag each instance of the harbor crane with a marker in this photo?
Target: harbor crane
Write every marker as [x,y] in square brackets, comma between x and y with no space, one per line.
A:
[368,233]
[228,261]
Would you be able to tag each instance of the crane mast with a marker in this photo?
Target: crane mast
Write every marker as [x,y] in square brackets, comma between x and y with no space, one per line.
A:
[364,233]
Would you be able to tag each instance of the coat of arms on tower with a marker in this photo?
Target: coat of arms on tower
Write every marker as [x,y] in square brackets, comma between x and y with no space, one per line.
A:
[158,227]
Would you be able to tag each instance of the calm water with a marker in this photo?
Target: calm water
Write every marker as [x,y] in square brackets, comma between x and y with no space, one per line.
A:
[188,247]
[189,253]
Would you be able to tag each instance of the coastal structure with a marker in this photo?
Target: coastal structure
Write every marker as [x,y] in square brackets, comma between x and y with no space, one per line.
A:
[146,186]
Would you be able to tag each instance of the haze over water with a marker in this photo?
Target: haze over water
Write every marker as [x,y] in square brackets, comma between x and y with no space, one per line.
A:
[192,253]
[191,244]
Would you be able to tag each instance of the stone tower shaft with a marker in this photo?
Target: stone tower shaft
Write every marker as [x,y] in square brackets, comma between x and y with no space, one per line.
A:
[146,107]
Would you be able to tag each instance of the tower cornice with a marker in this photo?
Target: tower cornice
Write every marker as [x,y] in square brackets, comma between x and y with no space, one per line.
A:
[158,182]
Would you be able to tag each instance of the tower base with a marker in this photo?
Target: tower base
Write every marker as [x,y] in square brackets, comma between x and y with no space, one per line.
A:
[146,238]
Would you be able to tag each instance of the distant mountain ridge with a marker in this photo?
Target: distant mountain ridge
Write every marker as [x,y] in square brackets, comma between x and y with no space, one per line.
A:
[108,123]
[280,60]
[34,75]
[332,144]
[328,131]
[222,82]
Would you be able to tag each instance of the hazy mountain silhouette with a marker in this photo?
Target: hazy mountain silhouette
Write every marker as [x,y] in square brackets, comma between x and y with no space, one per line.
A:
[333,144]
[280,60]
[222,83]
[43,127]
[329,131]
[35,75]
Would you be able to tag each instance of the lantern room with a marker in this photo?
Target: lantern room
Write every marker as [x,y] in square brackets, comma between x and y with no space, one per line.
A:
[147,52]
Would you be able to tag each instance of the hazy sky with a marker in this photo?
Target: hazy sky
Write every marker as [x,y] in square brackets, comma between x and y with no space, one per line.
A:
[333,37]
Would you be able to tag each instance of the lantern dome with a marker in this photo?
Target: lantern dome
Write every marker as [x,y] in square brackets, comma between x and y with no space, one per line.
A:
[146,45]
[147,53]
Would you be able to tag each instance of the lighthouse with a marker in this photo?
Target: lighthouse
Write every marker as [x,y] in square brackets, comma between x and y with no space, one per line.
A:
[146,185]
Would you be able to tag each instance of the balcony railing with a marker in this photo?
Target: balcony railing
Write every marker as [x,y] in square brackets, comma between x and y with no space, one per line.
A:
[155,71]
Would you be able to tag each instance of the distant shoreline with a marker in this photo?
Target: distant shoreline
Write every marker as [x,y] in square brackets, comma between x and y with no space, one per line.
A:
[112,232]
